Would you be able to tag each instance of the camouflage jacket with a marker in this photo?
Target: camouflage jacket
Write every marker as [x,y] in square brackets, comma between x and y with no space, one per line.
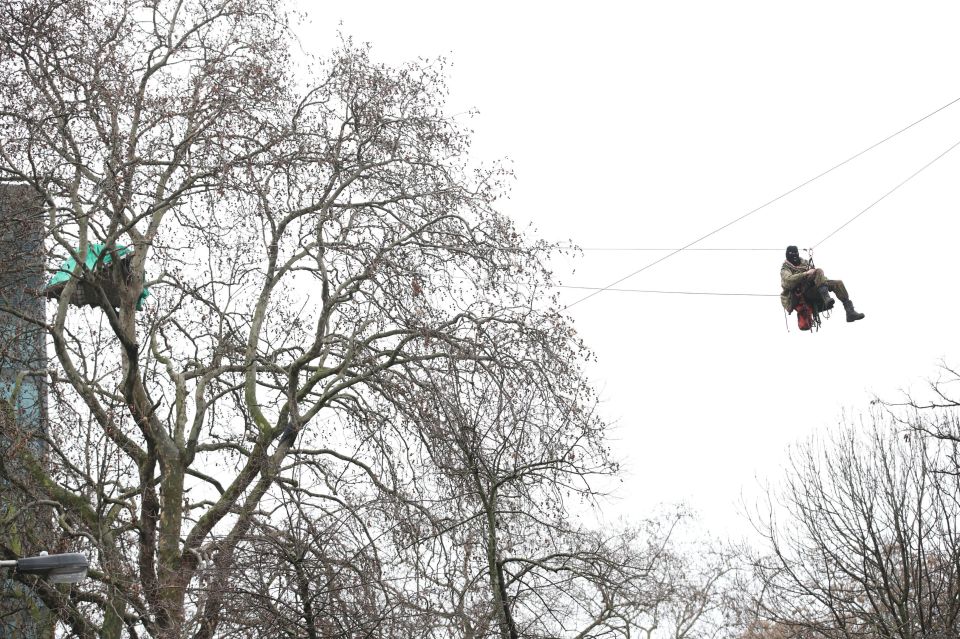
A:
[790,276]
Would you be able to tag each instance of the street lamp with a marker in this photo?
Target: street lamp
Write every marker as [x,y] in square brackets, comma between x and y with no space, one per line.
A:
[65,568]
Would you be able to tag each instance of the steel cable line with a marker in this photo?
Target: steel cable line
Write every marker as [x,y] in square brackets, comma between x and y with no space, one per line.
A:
[618,248]
[763,206]
[885,195]
[637,290]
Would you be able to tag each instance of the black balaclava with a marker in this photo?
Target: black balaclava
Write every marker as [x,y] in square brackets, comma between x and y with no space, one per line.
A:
[793,255]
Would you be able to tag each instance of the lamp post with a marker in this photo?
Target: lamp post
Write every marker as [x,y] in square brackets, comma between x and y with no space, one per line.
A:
[66,568]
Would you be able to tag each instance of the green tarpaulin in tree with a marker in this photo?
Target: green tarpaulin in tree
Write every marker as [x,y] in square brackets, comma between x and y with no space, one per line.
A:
[94,263]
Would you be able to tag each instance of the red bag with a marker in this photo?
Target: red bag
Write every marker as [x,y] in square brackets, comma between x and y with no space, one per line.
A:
[804,316]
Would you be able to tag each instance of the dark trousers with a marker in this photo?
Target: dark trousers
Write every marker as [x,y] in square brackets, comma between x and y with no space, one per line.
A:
[834,286]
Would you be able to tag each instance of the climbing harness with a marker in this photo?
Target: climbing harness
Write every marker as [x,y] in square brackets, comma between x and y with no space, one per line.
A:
[808,307]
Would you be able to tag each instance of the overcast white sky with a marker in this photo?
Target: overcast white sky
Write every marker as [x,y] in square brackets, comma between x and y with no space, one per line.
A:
[649,124]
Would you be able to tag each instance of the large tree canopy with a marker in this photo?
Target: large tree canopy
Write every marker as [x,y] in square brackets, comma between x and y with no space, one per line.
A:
[348,405]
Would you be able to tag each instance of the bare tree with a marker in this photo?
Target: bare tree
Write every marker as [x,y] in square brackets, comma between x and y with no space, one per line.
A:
[513,448]
[862,540]
[510,446]
[933,414]
[697,592]
[314,247]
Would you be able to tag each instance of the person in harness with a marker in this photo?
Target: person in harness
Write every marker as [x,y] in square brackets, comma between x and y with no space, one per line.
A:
[803,285]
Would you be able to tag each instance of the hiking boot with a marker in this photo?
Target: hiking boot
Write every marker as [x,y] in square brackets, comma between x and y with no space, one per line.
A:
[852,314]
[826,302]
